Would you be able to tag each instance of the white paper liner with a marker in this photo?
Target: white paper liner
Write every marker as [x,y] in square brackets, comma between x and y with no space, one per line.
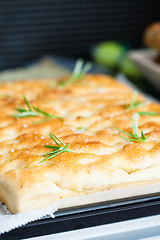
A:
[10,221]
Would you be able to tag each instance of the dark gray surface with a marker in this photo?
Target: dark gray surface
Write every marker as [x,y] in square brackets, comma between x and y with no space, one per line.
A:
[30,29]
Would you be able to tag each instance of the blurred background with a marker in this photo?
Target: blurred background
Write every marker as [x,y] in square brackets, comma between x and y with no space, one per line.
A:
[102,31]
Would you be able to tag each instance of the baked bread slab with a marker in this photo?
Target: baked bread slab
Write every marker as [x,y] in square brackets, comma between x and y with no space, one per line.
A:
[92,108]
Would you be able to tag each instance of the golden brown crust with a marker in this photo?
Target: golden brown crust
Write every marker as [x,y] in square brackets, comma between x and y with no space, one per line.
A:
[101,159]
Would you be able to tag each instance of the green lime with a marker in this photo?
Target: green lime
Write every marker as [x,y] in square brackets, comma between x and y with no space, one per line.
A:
[129,68]
[108,53]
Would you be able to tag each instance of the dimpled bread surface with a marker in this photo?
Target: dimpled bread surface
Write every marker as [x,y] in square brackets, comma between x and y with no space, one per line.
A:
[92,108]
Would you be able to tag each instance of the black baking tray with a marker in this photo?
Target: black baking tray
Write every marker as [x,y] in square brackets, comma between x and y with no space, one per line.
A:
[88,216]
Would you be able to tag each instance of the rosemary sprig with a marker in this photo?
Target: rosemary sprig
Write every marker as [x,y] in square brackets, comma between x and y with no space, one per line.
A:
[134,137]
[135,104]
[60,148]
[32,111]
[78,73]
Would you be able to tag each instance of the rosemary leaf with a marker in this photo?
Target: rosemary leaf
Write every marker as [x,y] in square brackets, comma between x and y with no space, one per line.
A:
[25,114]
[54,139]
[52,147]
[133,139]
[78,73]
[20,110]
[41,111]
[148,113]
[135,104]
[134,136]
[27,103]
[46,114]
[81,129]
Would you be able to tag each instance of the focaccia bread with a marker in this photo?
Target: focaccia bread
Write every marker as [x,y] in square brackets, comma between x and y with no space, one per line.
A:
[93,111]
